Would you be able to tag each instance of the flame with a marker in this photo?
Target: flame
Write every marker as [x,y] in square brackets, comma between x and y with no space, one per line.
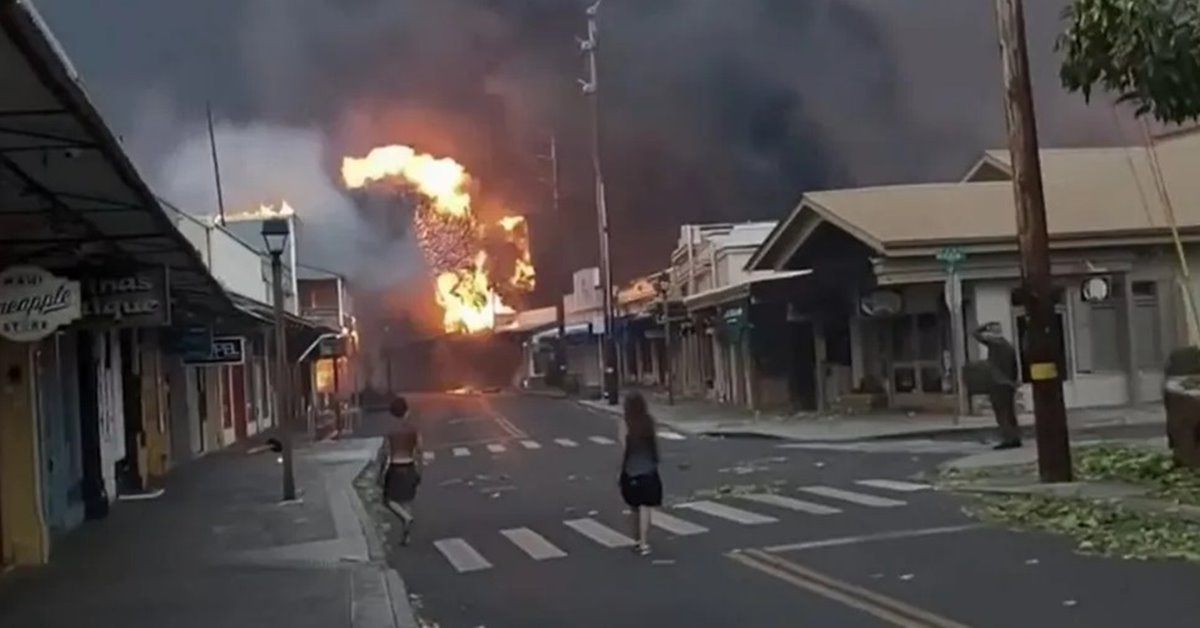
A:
[441,179]
[450,236]
[265,210]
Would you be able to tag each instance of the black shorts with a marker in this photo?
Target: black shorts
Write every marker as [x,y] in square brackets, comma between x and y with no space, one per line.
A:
[642,490]
[400,483]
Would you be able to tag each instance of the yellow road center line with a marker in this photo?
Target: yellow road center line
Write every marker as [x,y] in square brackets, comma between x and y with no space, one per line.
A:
[877,598]
[826,592]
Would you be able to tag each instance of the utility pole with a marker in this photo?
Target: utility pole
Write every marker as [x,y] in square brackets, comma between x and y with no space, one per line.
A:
[1037,288]
[591,87]
[212,143]
[560,281]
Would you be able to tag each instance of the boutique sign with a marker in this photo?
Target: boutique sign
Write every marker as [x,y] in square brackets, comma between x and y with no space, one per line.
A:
[136,299]
[34,303]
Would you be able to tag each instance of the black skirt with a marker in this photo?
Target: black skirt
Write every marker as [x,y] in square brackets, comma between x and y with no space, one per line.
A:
[642,490]
[400,483]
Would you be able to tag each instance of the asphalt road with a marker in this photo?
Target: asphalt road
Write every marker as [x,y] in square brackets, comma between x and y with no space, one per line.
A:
[520,525]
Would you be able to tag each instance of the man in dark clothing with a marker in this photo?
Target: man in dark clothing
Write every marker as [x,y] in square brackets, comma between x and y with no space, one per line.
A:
[1002,358]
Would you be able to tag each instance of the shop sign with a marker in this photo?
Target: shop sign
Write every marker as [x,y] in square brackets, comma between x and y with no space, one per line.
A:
[34,303]
[136,299]
[222,350]
[331,348]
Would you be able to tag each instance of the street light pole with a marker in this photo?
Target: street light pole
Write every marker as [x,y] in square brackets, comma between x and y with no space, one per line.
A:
[1037,289]
[664,291]
[275,233]
[591,88]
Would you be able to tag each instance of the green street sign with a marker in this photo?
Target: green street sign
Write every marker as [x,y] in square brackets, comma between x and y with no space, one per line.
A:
[951,255]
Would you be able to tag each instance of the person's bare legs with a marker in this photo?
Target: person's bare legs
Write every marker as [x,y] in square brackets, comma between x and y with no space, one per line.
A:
[635,518]
[405,513]
[645,513]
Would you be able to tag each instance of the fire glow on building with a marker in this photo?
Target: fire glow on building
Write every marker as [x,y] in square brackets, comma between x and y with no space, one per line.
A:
[470,282]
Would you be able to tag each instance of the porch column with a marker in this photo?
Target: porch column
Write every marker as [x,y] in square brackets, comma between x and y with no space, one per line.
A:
[857,370]
[818,330]
[1132,373]
[748,371]
[23,534]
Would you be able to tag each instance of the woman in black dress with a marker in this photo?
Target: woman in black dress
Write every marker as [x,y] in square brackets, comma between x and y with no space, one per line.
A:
[641,487]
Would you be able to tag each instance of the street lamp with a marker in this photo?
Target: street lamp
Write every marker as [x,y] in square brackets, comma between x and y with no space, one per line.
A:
[663,285]
[275,232]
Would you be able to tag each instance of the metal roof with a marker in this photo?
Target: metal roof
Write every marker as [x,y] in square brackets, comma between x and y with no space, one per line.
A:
[69,195]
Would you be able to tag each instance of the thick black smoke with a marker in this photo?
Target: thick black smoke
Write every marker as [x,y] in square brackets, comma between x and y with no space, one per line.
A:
[712,109]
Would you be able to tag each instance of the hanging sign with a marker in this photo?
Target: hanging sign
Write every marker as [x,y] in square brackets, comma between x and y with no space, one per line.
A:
[223,350]
[136,299]
[34,303]
[881,303]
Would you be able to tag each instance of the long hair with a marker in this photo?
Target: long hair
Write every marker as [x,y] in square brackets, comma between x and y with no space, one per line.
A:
[638,422]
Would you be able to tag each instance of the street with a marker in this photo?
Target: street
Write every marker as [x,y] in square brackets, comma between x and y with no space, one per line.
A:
[520,524]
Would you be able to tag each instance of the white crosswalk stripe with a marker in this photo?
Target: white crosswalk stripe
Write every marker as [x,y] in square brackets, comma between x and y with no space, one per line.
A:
[496,448]
[531,444]
[599,532]
[566,442]
[736,515]
[675,525]
[852,497]
[669,435]
[894,485]
[460,452]
[461,555]
[429,456]
[602,440]
[791,503]
[533,543]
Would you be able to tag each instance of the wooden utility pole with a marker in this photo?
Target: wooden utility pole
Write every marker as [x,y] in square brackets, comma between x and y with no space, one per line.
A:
[1037,289]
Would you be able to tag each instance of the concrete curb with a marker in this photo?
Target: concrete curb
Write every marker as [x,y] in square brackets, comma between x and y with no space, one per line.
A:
[391,586]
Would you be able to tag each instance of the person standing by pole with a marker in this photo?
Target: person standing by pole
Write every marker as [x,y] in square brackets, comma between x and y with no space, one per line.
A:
[1002,388]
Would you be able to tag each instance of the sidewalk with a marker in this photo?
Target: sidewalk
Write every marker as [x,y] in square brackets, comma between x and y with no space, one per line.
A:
[702,417]
[219,549]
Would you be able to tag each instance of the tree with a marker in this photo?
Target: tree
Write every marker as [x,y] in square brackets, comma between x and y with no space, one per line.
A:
[1145,51]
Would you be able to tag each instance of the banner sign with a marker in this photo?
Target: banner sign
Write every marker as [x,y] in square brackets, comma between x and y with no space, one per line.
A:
[136,299]
[222,350]
[34,303]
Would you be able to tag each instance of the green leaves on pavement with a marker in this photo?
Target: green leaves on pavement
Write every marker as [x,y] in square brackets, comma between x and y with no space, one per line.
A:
[1097,527]
[1146,467]
[1145,51]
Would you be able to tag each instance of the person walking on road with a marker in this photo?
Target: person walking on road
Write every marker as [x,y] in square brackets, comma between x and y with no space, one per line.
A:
[400,471]
[641,487]
[1002,390]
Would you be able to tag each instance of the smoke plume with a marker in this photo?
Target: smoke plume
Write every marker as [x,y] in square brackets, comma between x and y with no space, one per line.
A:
[711,109]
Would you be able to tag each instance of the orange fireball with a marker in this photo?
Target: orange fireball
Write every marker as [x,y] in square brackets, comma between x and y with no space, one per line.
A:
[449,234]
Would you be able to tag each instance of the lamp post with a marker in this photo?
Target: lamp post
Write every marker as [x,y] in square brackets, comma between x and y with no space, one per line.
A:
[275,234]
[663,284]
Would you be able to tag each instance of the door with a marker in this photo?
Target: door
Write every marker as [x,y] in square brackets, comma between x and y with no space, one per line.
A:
[802,375]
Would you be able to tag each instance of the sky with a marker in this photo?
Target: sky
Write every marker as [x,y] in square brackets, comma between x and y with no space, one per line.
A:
[710,110]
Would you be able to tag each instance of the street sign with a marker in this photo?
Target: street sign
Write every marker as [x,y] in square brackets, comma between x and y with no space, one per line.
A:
[951,256]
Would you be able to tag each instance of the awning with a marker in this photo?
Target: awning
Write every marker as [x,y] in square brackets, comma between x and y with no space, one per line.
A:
[69,196]
[743,290]
[571,330]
